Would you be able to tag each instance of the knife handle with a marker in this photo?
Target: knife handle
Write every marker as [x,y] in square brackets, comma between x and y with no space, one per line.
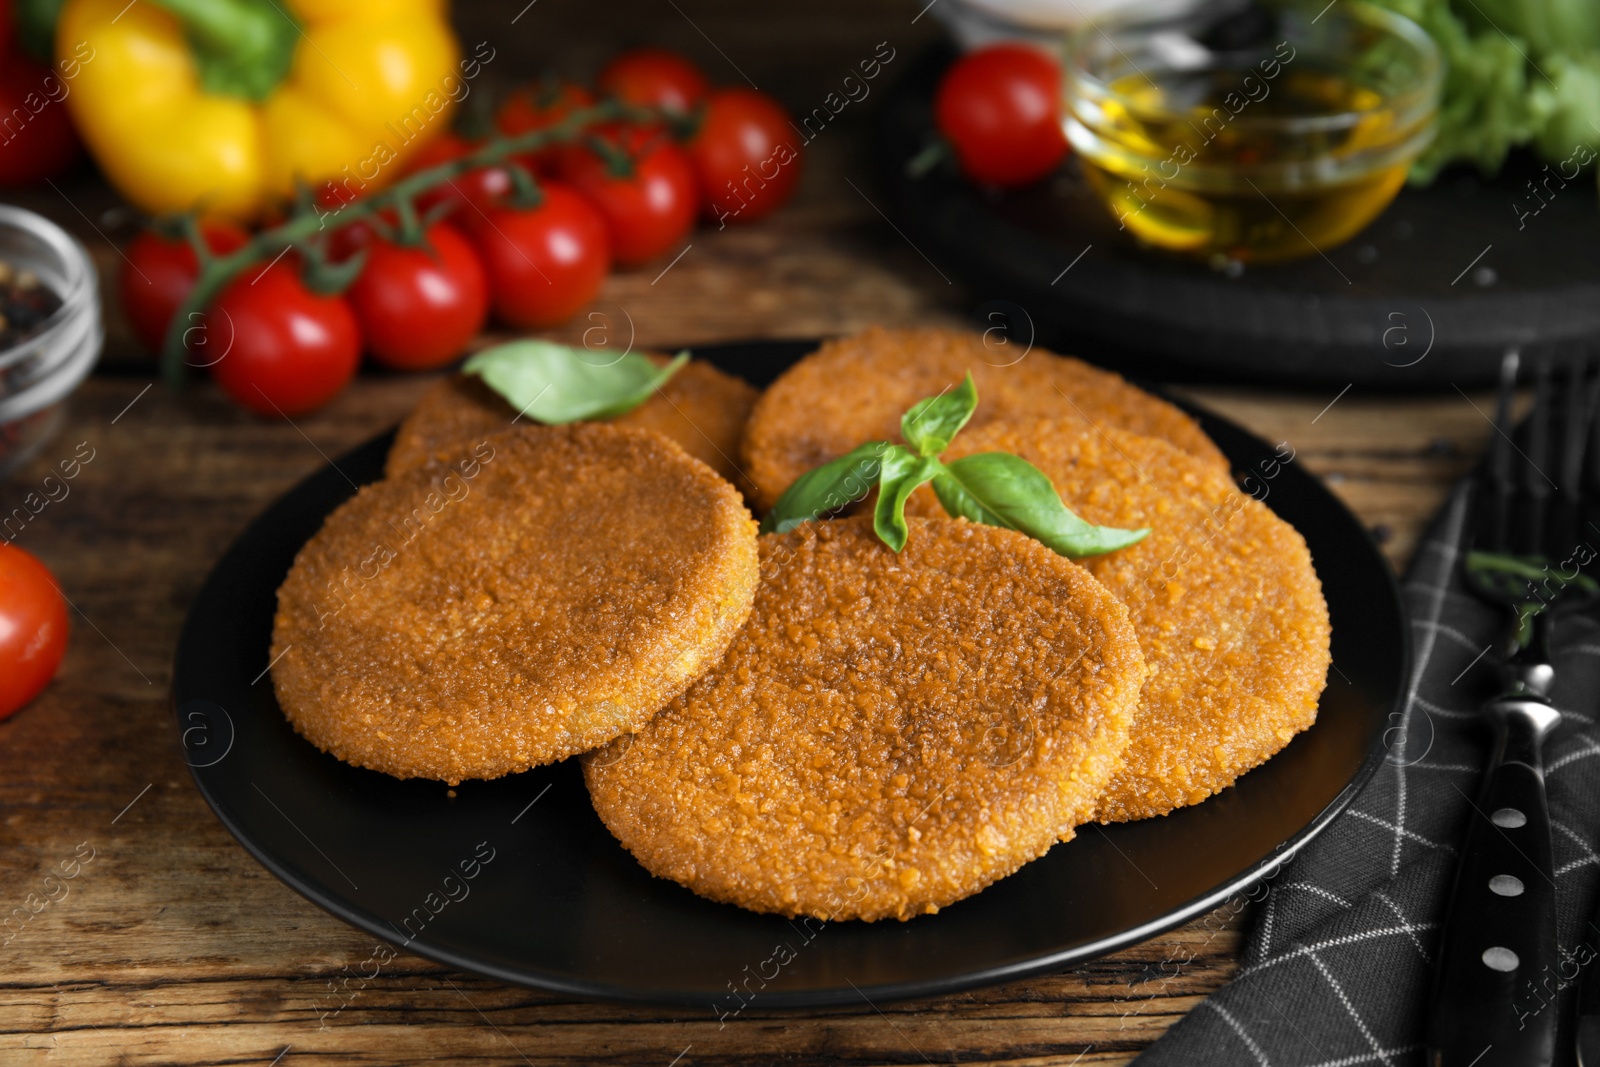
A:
[1495,978]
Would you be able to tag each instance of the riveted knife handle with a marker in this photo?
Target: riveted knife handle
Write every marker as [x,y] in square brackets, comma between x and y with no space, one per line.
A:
[1495,980]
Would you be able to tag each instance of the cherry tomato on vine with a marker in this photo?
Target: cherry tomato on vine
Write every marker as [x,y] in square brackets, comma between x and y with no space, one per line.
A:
[33,628]
[45,144]
[275,346]
[544,263]
[537,107]
[418,307]
[647,211]
[352,237]
[157,272]
[745,154]
[654,77]
[1000,108]
[470,194]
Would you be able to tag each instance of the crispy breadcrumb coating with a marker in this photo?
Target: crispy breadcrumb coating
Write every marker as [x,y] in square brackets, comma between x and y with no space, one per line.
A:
[1223,594]
[548,590]
[855,389]
[888,733]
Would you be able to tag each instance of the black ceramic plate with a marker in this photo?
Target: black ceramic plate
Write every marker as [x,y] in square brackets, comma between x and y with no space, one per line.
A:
[1430,294]
[558,904]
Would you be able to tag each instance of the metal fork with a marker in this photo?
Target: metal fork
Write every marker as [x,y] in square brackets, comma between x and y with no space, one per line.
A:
[1495,974]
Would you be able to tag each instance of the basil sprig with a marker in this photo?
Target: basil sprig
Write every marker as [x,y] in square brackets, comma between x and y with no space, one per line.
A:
[994,488]
[557,384]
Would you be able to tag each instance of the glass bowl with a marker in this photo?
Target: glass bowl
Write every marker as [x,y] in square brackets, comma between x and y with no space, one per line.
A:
[30,242]
[39,372]
[1249,130]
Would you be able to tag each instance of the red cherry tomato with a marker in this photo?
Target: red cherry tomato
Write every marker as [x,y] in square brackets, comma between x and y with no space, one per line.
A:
[544,263]
[278,348]
[537,107]
[39,141]
[418,307]
[745,154]
[157,272]
[351,238]
[33,628]
[1000,107]
[470,194]
[654,77]
[648,211]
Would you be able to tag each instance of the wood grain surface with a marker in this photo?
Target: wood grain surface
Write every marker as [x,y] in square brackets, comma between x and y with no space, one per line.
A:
[170,945]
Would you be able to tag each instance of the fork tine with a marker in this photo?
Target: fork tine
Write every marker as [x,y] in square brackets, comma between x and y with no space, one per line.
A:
[1534,484]
[1495,488]
[1575,429]
[1588,510]
[1561,531]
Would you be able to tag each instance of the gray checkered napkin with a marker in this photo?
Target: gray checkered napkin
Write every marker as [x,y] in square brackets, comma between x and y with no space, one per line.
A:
[1339,959]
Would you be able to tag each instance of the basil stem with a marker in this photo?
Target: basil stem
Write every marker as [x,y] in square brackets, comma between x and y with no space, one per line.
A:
[903,472]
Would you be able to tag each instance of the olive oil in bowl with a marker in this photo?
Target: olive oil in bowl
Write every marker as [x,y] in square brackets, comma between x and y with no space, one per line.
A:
[1269,150]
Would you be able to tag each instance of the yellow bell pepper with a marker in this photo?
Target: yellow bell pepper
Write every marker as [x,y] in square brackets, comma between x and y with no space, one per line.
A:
[223,105]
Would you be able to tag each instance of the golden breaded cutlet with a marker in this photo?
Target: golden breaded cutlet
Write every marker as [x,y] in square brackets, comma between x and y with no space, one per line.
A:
[548,591]
[889,733]
[1224,597]
[855,389]
[701,408]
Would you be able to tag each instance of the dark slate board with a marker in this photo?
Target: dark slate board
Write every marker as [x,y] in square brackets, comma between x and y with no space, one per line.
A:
[1429,295]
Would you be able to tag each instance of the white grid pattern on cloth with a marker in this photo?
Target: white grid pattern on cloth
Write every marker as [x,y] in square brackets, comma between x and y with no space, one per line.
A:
[1370,1057]
[1446,548]
[1244,1035]
[1337,942]
[1405,924]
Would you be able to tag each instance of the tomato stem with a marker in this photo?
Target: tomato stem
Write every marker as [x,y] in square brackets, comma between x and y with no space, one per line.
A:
[305,225]
[525,192]
[410,231]
[189,230]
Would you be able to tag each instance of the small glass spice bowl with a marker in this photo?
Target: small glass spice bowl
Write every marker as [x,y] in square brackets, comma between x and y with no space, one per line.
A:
[1250,130]
[51,357]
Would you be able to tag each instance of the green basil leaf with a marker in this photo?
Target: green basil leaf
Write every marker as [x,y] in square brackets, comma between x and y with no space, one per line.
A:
[962,504]
[932,424]
[827,488]
[903,471]
[557,384]
[1000,489]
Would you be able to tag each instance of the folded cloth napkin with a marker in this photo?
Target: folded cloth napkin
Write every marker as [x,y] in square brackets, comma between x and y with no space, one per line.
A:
[1338,963]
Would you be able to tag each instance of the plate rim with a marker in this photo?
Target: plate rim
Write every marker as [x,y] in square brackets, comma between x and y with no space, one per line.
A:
[800,1000]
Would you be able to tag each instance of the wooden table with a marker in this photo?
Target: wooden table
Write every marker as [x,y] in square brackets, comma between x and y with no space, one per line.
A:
[172,946]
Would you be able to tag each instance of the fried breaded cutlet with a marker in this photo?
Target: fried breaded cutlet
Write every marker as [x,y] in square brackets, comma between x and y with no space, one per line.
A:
[549,590]
[1223,594]
[701,408]
[888,733]
[855,389]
